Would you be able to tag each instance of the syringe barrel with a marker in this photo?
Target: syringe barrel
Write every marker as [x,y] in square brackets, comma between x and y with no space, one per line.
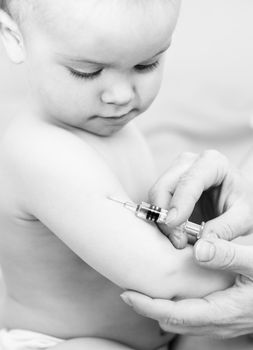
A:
[156,214]
[151,212]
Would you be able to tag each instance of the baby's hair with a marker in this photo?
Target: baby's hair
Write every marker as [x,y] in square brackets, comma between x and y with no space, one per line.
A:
[16,8]
[4,4]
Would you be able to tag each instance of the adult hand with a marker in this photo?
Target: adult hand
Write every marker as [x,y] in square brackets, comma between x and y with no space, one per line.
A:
[223,314]
[227,313]
[183,184]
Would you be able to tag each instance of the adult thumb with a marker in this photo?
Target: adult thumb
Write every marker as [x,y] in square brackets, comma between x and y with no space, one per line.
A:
[216,253]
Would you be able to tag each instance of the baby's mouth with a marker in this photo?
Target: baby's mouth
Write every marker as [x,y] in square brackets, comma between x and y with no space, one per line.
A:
[116,118]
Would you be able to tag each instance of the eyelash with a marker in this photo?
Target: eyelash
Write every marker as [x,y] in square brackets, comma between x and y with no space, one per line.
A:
[89,76]
[148,67]
[83,75]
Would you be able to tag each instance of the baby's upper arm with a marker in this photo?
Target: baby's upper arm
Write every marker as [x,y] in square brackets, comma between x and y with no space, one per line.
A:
[64,183]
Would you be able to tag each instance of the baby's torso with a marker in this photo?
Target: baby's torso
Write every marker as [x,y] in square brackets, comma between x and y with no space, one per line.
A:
[49,288]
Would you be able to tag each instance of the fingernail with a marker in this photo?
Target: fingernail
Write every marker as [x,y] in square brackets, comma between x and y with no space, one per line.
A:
[126,300]
[172,214]
[176,241]
[204,251]
[176,238]
[176,234]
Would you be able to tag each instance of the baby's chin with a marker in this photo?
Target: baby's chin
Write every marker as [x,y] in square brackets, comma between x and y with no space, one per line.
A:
[104,131]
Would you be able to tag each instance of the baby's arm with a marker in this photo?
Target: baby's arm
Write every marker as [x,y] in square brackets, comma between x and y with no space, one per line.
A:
[63,182]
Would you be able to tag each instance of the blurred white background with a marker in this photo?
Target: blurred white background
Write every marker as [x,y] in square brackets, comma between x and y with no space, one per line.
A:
[207,97]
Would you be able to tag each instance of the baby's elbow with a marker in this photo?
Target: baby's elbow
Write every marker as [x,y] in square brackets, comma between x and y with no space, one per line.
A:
[163,285]
[156,281]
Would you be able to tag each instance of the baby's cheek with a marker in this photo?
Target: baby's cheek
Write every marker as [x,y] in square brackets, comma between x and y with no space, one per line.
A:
[59,97]
[152,83]
[148,90]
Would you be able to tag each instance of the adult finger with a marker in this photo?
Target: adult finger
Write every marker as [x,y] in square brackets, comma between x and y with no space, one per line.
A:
[177,237]
[183,313]
[209,170]
[235,222]
[162,191]
[220,254]
[223,314]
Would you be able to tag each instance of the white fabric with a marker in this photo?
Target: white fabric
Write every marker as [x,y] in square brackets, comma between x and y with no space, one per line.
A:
[18,339]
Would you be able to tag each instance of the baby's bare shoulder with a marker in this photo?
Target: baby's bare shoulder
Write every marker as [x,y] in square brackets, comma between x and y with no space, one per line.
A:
[30,136]
[35,155]
[28,144]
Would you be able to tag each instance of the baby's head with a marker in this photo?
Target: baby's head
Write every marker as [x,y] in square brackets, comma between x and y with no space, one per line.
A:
[92,64]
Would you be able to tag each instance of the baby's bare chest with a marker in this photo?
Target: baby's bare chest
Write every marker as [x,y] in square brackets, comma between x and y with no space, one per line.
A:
[46,273]
[34,259]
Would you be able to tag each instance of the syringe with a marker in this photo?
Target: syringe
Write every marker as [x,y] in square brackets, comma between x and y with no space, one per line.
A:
[159,215]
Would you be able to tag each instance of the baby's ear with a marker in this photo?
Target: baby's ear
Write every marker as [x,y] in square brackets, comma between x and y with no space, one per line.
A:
[12,38]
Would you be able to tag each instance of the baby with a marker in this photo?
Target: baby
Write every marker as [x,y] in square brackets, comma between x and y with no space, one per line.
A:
[66,251]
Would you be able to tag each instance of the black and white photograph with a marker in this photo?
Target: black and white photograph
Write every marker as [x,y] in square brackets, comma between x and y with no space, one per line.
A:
[126,175]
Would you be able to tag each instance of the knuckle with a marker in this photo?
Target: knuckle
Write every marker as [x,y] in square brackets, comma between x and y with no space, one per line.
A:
[216,157]
[222,230]
[186,178]
[213,154]
[209,154]
[227,314]
[187,156]
[229,258]
[219,161]
[171,320]
[186,183]
[225,320]
[227,233]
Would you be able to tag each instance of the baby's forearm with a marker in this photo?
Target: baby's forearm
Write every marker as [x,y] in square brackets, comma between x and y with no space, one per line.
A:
[192,281]
[178,276]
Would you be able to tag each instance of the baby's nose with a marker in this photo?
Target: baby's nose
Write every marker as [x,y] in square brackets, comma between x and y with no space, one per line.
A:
[121,93]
